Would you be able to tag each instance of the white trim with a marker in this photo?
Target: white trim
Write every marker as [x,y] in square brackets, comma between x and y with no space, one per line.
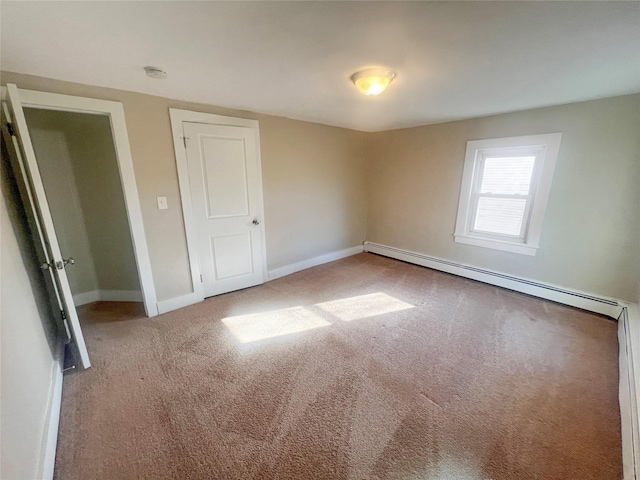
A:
[313,262]
[575,298]
[115,112]
[545,147]
[121,295]
[86,297]
[175,303]
[107,296]
[50,439]
[190,116]
[178,117]
[629,393]
[185,200]
[490,243]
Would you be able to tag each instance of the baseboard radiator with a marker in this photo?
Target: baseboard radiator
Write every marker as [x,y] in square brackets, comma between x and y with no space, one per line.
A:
[605,306]
[628,317]
[629,391]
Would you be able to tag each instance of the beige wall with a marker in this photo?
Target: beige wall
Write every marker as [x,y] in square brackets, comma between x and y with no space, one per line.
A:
[321,182]
[314,191]
[56,169]
[79,170]
[28,345]
[317,183]
[591,228]
[98,181]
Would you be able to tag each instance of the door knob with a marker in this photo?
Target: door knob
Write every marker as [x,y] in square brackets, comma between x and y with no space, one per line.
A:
[47,266]
[256,221]
[69,261]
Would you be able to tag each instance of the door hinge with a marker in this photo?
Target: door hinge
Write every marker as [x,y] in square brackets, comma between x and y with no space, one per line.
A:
[201,281]
[184,141]
[10,128]
[63,315]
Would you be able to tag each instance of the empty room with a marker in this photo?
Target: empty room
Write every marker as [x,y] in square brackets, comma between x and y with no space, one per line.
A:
[320,240]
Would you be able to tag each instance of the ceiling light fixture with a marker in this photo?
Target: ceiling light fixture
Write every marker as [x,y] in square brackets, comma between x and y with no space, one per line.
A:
[155,72]
[373,81]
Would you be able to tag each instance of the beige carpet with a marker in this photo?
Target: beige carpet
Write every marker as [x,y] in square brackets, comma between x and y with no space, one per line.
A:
[365,368]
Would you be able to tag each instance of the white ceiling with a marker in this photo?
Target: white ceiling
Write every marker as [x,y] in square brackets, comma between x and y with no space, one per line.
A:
[454,59]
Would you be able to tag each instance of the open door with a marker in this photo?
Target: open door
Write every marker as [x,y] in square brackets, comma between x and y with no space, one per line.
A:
[52,260]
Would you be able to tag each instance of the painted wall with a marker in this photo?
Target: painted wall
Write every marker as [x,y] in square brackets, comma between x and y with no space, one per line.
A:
[59,181]
[28,342]
[591,228]
[318,181]
[321,182]
[314,190]
[79,169]
[98,181]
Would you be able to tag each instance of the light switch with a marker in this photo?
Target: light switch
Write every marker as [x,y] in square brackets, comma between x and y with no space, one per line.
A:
[162,203]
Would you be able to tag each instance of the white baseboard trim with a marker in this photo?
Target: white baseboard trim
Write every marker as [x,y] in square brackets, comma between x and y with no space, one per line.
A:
[86,297]
[120,295]
[107,296]
[629,394]
[574,298]
[313,262]
[171,304]
[50,439]
[175,303]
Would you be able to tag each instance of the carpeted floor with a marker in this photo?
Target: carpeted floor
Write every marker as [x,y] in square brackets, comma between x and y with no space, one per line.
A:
[365,368]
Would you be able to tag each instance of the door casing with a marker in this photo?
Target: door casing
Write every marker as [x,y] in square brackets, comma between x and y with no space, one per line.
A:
[115,112]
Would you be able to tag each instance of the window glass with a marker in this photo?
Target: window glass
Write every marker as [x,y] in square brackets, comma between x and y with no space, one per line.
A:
[507,175]
[500,215]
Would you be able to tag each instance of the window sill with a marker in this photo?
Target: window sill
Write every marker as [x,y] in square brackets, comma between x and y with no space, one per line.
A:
[512,247]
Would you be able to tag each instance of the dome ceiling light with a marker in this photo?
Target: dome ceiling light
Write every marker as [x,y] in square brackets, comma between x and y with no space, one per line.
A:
[373,81]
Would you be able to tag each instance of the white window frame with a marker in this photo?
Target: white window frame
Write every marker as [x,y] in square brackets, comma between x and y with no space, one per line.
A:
[545,148]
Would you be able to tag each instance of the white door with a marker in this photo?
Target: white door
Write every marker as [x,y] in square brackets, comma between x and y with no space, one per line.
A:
[226,198]
[52,260]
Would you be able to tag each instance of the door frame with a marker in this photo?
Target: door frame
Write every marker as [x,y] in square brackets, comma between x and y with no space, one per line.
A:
[178,117]
[115,112]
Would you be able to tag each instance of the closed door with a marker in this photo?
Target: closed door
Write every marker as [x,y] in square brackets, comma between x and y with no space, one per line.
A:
[226,197]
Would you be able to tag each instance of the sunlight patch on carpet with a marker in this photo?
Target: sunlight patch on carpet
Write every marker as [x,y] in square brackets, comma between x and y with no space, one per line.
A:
[363,306]
[260,326]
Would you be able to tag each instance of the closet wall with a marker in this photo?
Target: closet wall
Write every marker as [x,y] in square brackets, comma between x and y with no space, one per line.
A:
[79,170]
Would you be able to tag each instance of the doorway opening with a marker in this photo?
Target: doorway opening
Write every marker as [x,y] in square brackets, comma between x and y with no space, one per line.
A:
[78,165]
[94,128]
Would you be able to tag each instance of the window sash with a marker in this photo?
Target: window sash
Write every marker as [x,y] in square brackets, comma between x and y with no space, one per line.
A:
[521,236]
[476,195]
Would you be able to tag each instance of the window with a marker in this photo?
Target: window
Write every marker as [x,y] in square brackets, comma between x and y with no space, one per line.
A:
[505,187]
